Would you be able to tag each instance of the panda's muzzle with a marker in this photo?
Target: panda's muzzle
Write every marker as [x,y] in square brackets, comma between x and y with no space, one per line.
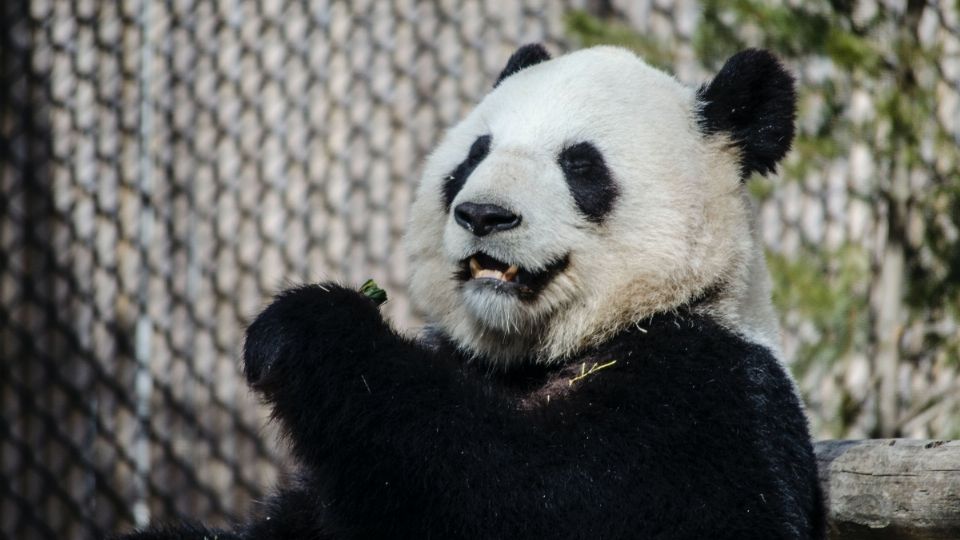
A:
[483,269]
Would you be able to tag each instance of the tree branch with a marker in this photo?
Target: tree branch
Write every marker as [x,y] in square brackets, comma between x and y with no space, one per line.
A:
[891,489]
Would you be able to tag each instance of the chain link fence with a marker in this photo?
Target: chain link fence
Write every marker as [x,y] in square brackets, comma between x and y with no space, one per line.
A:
[167,166]
[170,165]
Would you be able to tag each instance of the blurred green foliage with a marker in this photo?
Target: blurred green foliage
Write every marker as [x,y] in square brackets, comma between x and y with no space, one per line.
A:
[827,290]
[815,27]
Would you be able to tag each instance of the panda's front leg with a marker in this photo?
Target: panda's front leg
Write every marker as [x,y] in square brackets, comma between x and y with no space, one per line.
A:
[309,354]
[340,380]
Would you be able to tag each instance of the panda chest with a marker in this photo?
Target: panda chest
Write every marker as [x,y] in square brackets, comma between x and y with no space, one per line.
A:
[576,381]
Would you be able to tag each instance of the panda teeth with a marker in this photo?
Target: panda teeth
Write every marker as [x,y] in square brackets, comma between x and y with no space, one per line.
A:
[478,272]
[474,267]
[495,274]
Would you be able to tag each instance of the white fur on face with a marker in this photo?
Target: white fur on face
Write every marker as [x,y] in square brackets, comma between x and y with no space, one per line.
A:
[678,227]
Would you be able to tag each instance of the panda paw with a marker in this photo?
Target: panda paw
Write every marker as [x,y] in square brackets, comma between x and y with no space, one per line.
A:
[302,325]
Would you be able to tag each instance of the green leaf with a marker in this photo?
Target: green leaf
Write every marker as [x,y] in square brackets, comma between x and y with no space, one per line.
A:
[371,290]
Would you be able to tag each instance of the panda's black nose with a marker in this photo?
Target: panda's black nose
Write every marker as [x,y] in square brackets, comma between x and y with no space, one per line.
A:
[483,219]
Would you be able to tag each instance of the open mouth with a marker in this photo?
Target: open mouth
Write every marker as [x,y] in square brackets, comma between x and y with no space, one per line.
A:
[485,270]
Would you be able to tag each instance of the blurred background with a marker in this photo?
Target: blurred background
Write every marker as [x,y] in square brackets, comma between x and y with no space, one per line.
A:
[166,166]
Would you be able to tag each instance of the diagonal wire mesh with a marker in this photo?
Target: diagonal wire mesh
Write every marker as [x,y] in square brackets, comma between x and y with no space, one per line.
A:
[169,166]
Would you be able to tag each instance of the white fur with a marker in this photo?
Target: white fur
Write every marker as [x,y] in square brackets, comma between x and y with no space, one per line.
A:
[681,225]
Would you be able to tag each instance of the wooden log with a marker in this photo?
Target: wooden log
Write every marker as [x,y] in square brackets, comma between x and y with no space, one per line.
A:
[887,489]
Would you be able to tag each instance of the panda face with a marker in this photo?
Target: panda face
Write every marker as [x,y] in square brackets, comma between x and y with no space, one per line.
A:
[580,195]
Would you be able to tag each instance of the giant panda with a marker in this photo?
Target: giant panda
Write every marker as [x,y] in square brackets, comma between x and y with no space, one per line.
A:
[601,359]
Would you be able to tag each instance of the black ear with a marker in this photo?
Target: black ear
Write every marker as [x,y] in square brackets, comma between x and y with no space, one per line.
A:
[524,57]
[753,101]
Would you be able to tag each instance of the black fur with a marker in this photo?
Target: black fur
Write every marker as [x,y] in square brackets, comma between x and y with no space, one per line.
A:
[455,180]
[524,57]
[183,531]
[752,100]
[590,182]
[692,433]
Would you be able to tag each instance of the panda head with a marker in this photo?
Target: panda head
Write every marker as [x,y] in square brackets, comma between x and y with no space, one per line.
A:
[588,192]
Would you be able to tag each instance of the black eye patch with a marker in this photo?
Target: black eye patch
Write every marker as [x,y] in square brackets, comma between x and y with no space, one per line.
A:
[589,180]
[454,182]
